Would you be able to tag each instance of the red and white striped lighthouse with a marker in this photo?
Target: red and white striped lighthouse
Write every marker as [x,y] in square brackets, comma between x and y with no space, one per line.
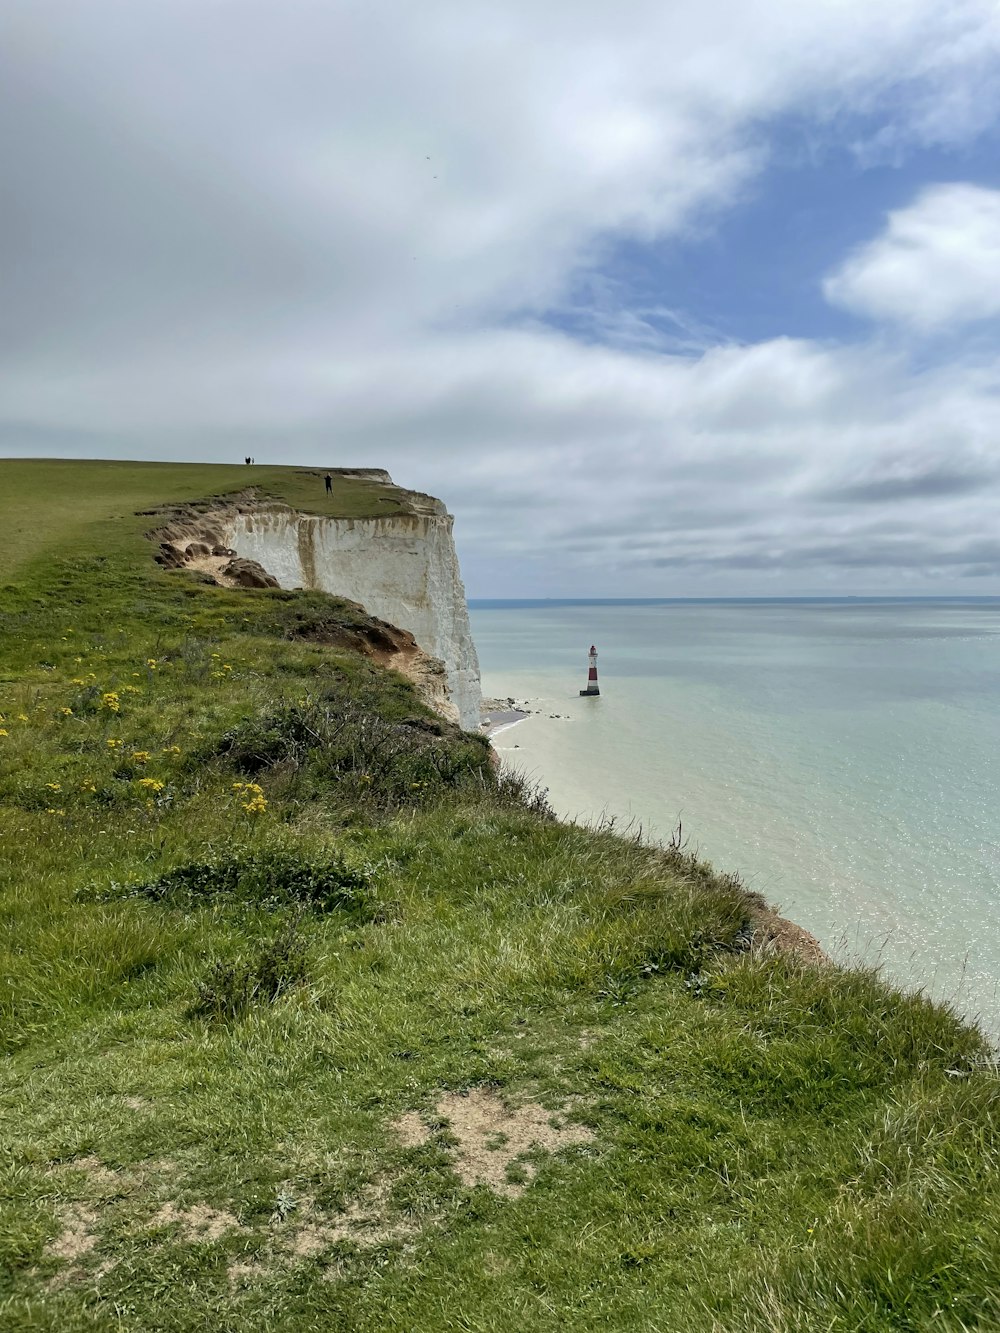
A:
[592,685]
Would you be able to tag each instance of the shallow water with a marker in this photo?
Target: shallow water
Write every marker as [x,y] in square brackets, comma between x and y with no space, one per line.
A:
[842,756]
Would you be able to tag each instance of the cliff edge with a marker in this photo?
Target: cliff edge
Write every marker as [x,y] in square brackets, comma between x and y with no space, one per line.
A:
[402,567]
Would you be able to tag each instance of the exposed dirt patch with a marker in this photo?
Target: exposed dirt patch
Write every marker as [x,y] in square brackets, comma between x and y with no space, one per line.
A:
[309,1231]
[411,1130]
[493,1135]
[213,566]
[100,1180]
[198,1224]
[245,1274]
[77,1236]
[776,934]
[104,1180]
[137,1103]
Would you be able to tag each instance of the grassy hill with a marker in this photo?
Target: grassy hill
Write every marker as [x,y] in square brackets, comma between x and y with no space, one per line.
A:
[310,1019]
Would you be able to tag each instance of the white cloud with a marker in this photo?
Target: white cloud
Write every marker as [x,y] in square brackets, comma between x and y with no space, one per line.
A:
[935,266]
[329,233]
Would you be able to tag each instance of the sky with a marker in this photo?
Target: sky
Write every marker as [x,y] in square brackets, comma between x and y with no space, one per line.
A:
[698,297]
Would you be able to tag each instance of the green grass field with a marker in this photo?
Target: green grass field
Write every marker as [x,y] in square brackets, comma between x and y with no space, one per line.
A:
[313,1020]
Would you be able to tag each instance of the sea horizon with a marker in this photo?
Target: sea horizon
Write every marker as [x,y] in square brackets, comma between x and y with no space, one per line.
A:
[484,603]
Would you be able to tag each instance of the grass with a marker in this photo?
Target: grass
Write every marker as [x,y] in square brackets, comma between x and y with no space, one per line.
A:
[256,905]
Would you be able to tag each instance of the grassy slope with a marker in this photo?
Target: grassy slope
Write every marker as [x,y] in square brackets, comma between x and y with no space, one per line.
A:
[773,1146]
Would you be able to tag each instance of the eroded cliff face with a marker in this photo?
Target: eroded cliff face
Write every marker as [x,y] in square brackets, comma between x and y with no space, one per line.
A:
[402,568]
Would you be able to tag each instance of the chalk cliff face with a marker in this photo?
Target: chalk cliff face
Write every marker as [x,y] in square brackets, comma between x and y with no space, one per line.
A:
[402,568]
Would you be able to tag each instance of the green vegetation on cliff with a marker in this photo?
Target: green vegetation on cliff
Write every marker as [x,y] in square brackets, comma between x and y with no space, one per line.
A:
[310,1019]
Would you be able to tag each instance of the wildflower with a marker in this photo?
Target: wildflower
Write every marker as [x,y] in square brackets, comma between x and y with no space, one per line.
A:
[78,680]
[87,786]
[226,666]
[111,701]
[172,749]
[151,661]
[216,654]
[152,784]
[23,717]
[78,660]
[256,806]
[4,731]
[54,786]
[140,756]
[66,712]
[131,689]
[113,745]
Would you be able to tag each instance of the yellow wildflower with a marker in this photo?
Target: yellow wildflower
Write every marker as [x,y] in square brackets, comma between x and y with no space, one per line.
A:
[111,701]
[140,756]
[78,680]
[66,712]
[53,786]
[172,749]
[23,717]
[152,784]
[87,786]
[4,731]
[113,745]
[257,806]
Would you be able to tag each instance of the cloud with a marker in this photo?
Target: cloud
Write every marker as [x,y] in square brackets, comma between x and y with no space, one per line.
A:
[327,233]
[936,265]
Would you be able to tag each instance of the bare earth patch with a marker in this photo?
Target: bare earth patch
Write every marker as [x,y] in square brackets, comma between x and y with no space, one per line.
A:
[309,1231]
[493,1135]
[243,1275]
[77,1237]
[199,1224]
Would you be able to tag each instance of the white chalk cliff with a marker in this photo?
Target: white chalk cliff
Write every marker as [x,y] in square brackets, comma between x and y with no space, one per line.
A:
[402,568]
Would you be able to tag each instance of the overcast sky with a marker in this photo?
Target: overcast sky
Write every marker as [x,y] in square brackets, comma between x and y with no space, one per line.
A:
[693,297]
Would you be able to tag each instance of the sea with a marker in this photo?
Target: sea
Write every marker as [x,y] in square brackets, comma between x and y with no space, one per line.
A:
[843,756]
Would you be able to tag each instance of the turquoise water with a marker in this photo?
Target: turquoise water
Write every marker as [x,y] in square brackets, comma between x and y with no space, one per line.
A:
[842,756]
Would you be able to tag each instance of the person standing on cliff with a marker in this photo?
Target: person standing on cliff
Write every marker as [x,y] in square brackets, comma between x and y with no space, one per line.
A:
[329,484]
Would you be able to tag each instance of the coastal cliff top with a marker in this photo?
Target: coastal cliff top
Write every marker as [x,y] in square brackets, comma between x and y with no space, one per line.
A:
[49,503]
[312,1016]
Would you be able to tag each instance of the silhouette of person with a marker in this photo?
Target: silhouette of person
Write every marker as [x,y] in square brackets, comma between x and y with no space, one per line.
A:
[329,484]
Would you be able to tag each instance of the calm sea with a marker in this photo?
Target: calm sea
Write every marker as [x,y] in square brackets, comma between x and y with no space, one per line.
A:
[843,756]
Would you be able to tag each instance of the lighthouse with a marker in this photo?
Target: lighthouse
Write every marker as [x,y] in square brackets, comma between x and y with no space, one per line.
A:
[592,685]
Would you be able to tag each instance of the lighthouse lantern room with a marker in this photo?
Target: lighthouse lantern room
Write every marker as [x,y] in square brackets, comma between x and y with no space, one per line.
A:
[592,685]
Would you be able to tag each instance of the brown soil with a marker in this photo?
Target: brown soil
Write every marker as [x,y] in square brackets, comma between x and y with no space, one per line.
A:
[492,1135]
[77,1237]
[308,1231]
[776,934]
[199,1224]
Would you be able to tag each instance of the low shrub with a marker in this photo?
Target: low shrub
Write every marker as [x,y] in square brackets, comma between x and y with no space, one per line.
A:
[272,879]
[335,745]
[231,987]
